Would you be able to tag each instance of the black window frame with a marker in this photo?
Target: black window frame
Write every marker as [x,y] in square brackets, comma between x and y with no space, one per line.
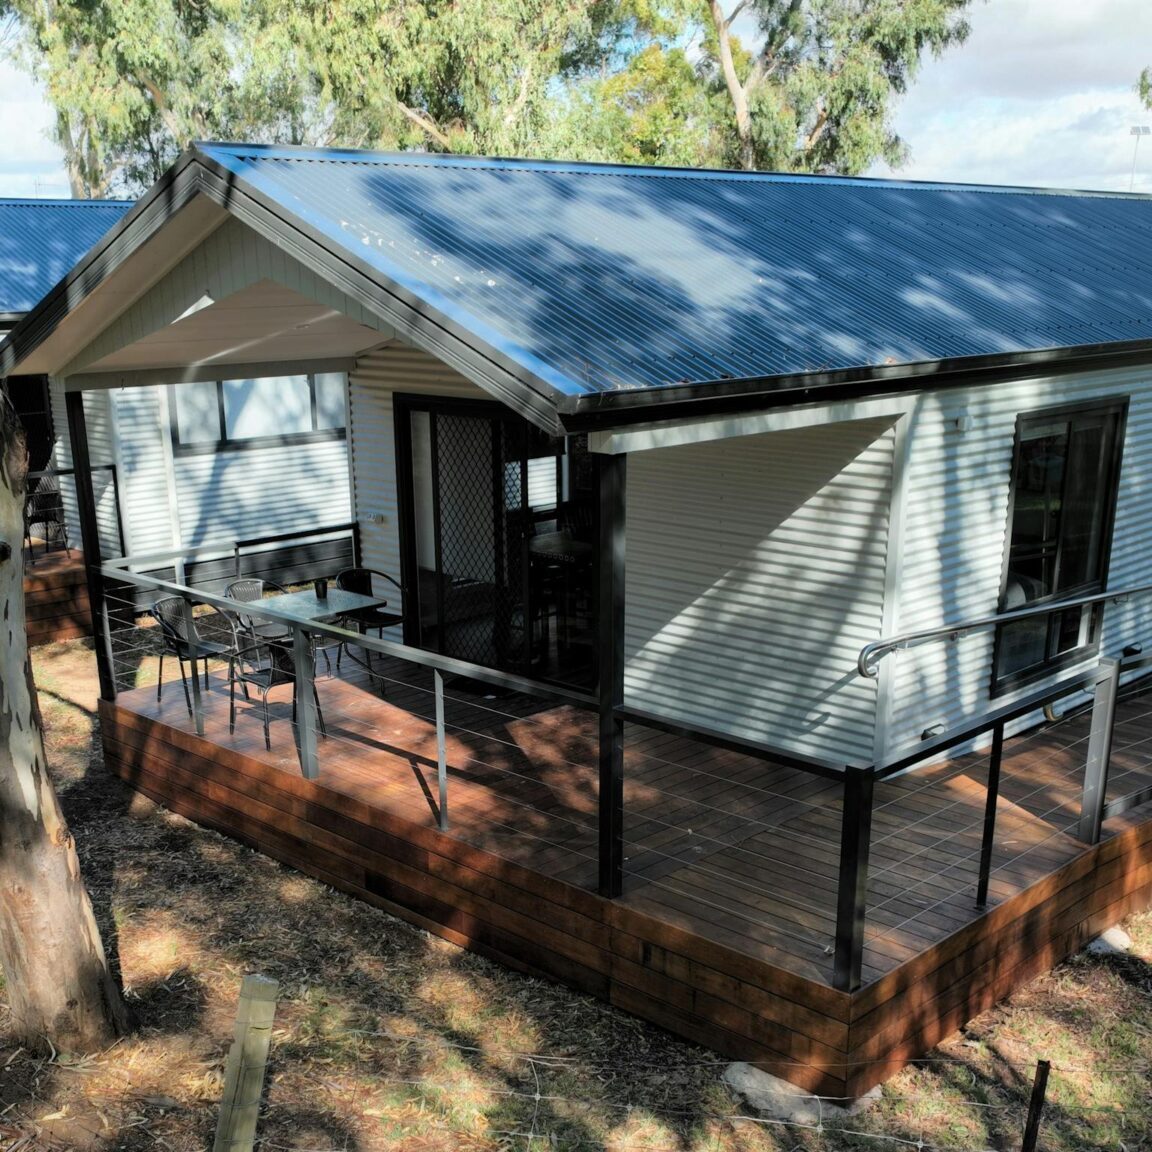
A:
[1108,408]
[226,443]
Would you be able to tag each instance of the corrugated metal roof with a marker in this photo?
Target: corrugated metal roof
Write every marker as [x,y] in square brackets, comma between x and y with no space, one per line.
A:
[41,241]
[601,278]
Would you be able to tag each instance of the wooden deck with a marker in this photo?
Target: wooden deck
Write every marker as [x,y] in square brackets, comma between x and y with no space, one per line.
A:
[56,596]
[725,928]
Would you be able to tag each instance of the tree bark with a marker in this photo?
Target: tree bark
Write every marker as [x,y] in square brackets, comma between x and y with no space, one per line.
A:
[736,90]
[59,986]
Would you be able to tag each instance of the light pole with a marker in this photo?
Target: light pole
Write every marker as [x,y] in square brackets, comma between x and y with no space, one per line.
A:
[1137,130]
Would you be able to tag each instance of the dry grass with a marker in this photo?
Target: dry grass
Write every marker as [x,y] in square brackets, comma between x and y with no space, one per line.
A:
[388,1038]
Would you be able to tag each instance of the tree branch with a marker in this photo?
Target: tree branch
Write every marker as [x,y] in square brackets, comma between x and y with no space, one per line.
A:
[736,90]
[425,124]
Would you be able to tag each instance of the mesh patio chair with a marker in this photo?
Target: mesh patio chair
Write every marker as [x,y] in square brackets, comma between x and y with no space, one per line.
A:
[250,590]
[369,582]
[264,665]
[169,615]
[44,506]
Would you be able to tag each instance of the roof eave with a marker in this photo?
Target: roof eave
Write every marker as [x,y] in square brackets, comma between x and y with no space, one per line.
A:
[704,398]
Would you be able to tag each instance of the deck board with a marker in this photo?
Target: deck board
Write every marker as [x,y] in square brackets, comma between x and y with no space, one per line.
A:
[725,927]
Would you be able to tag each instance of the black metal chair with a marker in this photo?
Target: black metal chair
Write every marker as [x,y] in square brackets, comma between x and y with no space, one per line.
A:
[169,615]
[264,665]
[369,582]
[249,590]
[44,506]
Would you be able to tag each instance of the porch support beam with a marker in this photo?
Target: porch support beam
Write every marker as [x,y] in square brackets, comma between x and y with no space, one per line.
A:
[851,904]
[90,539]
[1099,752]
[304,698]
[610,626]
[994,759]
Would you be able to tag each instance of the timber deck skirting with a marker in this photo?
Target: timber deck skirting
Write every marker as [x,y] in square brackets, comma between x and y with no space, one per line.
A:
[365,829]
[56,597]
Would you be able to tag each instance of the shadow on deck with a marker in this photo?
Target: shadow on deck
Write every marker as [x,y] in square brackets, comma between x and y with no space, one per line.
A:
[725,930]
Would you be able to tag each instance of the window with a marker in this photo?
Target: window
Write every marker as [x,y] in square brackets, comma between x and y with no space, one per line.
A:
[1064,477]
[257,413]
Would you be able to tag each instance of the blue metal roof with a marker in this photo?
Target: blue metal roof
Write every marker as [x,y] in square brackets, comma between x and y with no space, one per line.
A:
[41,241]
[602,278]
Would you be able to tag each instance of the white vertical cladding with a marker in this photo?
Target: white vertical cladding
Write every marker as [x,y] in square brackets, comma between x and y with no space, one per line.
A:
[101,452]
[140,434]
[371,430]
[755,571]
[959,477]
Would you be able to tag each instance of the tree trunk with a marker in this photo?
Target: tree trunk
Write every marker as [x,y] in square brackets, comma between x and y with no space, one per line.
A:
[59,986]
[736,91]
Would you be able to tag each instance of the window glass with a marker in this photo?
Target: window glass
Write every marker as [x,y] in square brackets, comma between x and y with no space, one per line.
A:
[1064,489]
[270,406]
[197,413]
[330,400]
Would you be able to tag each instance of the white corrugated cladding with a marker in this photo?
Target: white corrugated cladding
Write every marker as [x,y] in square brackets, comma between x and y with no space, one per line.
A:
[960,445]
[101,451]
[262,491]
[140,433]
[377,375]
[755,571]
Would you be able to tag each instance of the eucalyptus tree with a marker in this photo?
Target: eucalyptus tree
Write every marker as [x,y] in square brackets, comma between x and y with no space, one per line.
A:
[813,91]
[59,987]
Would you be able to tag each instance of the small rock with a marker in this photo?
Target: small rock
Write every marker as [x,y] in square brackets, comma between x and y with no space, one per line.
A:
[779,1100]
[1111,943]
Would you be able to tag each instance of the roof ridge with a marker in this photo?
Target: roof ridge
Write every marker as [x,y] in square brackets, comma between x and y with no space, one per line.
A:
[305,154]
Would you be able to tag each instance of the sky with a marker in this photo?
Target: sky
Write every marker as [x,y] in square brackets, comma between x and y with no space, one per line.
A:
[1041,94]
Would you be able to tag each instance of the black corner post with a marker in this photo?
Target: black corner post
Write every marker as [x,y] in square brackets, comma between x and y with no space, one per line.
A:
[610,626]
[994,759]
[852,897]
[90,537]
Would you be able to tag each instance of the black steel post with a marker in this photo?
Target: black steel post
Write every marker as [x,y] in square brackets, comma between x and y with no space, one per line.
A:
[610,628]
[1099,752]
[852,895]
[994,759]
[90,538]
[1036,1106]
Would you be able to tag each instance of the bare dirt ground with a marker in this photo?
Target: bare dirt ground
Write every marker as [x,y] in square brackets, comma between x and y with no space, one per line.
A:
[388,1038]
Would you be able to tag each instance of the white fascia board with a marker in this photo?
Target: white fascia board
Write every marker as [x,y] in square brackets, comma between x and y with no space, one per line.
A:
[674,433]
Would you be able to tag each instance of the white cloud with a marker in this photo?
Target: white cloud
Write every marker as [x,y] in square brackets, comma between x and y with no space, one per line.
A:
[30,165]
[1041,94]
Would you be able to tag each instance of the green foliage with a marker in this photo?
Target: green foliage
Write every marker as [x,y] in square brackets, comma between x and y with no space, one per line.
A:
[638,81]
[1144,87]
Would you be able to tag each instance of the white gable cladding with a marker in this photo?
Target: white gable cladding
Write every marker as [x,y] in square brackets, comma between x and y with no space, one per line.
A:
[755,571]
[958,480]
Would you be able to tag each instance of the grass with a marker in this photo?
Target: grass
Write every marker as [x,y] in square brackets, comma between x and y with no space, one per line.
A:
[389,1038]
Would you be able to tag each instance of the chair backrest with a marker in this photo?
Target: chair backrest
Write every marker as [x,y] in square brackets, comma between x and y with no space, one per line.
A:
[246,591]
[169,614]
[43,504]
[361,580]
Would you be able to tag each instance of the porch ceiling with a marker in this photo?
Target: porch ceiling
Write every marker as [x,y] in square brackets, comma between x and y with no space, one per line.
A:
[262,323]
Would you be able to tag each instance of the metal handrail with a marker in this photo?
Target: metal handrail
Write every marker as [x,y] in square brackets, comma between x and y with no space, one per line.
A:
[867,664]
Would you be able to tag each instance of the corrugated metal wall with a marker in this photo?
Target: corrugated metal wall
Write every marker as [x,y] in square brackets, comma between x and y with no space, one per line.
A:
[755,571]
[141,429]
[954,536]
[375,378]
[101,450]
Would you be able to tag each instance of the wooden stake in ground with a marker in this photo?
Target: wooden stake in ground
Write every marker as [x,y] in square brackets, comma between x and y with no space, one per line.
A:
[247,1061]
[60,990]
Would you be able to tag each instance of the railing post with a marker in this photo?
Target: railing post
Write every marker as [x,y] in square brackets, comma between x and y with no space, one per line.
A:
[610,629]
[852,895]
[441,751]
[1099,752]
[193,660]
[304,689]
[994,759]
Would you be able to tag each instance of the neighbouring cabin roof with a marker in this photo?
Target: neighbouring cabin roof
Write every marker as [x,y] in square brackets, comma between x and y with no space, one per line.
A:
[597,294]
[42,240]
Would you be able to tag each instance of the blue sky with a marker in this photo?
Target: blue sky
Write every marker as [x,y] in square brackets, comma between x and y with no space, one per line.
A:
[1041,94]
